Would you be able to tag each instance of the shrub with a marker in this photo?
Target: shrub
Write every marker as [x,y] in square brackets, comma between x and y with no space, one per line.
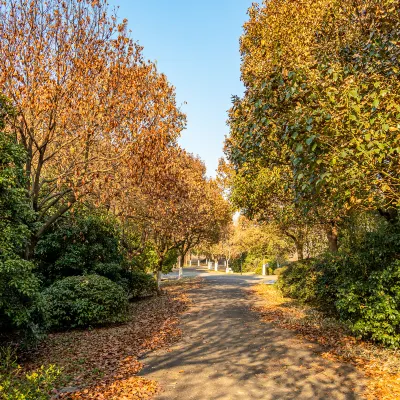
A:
[79,301]
[17,385]
[80,243]
[360,284]
[140,285]
[18,285]
[278,271]
[298,281]
[372,307]
[113,271]
[19,291]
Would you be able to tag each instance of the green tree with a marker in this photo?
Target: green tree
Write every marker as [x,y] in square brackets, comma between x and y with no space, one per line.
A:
[18,284]
[320,110]
[86,240]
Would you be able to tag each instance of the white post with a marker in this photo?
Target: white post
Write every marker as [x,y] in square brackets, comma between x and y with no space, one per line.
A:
[210,265]
[198,262]
[180,273]
[216,265]
[264,267]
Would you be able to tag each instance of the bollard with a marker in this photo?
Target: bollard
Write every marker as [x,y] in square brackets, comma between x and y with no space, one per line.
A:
[264,268]
[210,265]
[216,265]
[180,272]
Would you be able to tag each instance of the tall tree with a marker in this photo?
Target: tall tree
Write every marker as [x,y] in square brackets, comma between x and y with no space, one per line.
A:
[321,105]
[86,102]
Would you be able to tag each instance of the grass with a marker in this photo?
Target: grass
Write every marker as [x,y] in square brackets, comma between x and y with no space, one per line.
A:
[380,365]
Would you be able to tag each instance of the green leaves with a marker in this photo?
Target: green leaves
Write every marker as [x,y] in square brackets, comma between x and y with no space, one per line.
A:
[310,139]
[80,301]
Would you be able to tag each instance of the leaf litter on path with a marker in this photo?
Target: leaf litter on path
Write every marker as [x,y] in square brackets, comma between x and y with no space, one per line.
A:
[379,364]
[102,363]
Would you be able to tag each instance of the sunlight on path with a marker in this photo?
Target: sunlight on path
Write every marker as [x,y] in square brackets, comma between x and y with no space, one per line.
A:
[227,353]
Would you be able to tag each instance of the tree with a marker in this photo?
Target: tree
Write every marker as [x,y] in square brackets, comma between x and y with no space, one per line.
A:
[320,108]
[18,284]
[176,208]
[87,105]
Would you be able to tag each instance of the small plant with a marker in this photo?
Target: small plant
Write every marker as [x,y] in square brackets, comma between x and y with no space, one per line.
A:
[140,284]
[18,385]
[80,301]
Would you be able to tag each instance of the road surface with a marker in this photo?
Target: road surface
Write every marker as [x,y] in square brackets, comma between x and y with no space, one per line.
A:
[227,353]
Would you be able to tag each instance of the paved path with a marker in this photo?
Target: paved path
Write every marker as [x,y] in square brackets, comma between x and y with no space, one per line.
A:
[226,353]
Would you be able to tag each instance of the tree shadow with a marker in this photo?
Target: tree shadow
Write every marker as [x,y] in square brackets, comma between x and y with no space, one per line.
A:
[227,353]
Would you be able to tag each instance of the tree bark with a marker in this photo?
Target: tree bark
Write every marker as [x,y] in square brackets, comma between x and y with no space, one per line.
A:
[299,245]
[30,248]
[332,236]
[158,279]
[300,250]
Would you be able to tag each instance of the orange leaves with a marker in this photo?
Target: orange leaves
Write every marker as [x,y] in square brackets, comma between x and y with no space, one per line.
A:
[88,104]
[133,388]
[102,363]
[381,366]
[174,201]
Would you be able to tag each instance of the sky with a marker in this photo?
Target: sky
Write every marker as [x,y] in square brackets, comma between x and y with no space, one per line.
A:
[196,44]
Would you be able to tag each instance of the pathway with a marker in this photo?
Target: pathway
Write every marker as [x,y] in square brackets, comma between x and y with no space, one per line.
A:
[226,353]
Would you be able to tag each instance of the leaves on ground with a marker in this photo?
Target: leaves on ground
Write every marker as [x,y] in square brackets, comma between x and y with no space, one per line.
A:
[102,363]
[380,365]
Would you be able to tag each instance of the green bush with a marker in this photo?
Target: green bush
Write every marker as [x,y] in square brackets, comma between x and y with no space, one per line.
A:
[278,271]
[17,385]
[298,281]
[19,290]
[360,284]
[19,287]
[372,307]
[140,284]
[79,301]
[86,241]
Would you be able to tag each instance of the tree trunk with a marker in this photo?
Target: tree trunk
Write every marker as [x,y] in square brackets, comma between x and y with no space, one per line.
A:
[158,273]
[30,248]
[298,243]
[332,236]
[158,280]
[299,250]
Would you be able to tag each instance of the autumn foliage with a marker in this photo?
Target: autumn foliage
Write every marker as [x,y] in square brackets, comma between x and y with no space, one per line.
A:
[93,181]
[87,104]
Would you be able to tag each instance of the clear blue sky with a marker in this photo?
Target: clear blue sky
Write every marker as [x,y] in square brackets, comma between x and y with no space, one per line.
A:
[196,44]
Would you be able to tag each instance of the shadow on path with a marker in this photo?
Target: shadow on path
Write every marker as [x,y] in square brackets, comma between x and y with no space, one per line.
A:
[227,353]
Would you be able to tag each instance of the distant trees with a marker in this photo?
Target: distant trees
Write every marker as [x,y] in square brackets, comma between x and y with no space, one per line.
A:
[177,208]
